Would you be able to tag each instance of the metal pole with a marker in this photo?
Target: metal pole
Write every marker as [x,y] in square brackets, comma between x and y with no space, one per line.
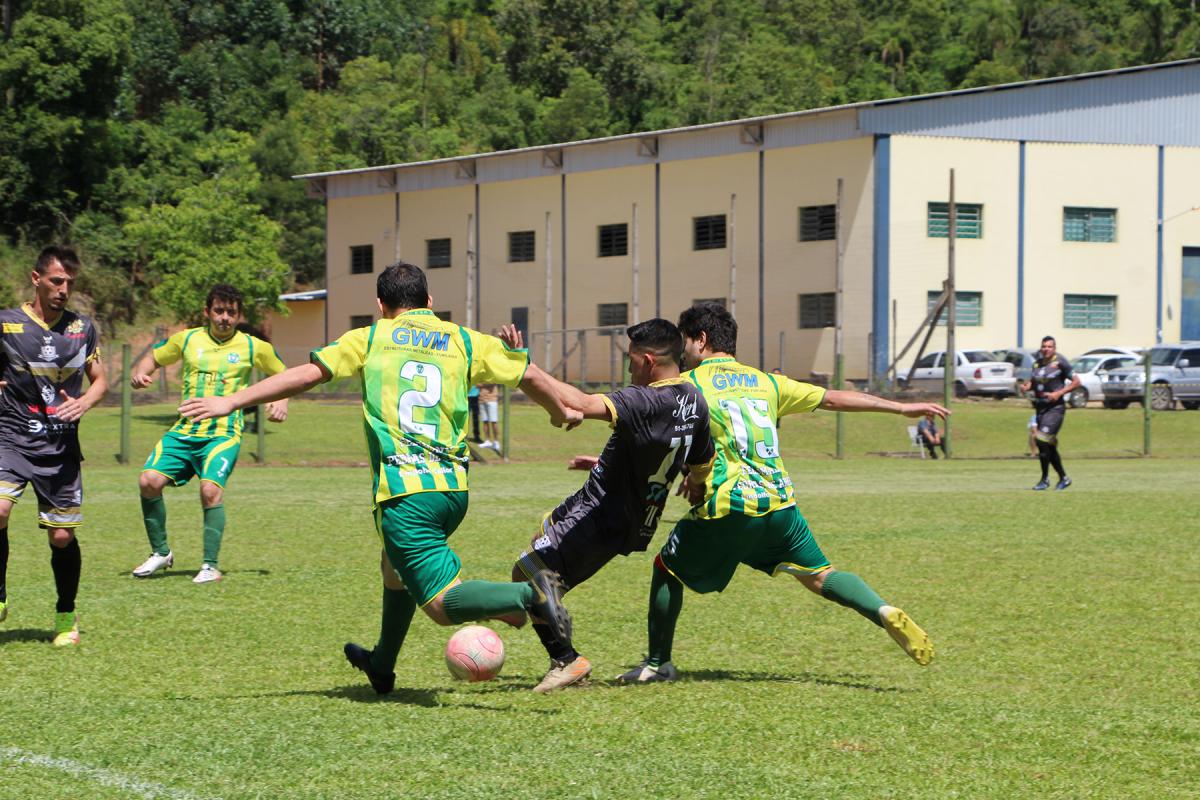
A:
[1146,410]
[612,362]
[160,333]
[472,257]
[781,360]
[733,255]
[126,402]
[838,355]
[891,376]
[950,359]
[637,314]
[260,425]
[582,360]
[504,419]
[549,286]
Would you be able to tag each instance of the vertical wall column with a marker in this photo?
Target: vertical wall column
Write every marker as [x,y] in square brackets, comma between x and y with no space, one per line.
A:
[563,221]
[882,248]
[478,260]
[1021,246]
[657,238]
[762,264]
[1158,271]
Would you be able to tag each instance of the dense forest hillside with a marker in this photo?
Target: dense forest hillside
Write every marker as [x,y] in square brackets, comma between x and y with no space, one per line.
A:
[159,136]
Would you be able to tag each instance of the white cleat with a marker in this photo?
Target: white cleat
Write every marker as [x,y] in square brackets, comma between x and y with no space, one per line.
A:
[644,673]
[207,574]
[153,564]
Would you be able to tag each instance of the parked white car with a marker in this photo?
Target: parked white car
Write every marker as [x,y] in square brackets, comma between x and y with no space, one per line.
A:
[977,372]
[1092,369]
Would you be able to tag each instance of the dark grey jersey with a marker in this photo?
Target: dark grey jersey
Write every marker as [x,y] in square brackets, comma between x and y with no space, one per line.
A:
[1050,376]
[38,362]
[656,430]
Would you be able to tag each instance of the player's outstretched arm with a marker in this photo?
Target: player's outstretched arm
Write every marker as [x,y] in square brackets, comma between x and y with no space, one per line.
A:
[143,373]
[842,400]
[284,384]
[72,408]
[544,390]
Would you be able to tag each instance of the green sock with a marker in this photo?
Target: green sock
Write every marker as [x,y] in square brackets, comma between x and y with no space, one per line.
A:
[154,515]
[398,609]
[851,591]
[214,529]
[666,601]
[482,599]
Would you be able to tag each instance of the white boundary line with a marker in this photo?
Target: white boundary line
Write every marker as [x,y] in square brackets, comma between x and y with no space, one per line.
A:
[106,777]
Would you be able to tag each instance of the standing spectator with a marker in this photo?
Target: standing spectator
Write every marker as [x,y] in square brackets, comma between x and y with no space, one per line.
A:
[1033,450]
[489,410]
[473,404]
[931,437]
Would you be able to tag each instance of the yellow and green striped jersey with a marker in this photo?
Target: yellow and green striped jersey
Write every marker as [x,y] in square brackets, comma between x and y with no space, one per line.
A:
[744,406]
[416,370]
[211,367]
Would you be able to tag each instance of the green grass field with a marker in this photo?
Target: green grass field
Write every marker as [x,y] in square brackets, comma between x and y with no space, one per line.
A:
[1067,651]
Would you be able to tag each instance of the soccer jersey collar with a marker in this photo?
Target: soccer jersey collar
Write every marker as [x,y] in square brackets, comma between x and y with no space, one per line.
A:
[717,360]
[219,342]
[421,311]
[29,312]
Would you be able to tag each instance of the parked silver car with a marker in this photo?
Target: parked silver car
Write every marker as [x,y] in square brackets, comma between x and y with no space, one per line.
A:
[977,372]
[1174,375]
[1093,370]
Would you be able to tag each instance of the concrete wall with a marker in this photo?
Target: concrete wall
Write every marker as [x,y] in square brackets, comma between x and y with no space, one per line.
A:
[299,333]
[1181,227]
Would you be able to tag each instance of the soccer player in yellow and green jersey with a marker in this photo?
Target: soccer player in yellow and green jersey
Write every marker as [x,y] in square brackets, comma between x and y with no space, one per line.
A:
[217,359]
[745,510]
[416,370]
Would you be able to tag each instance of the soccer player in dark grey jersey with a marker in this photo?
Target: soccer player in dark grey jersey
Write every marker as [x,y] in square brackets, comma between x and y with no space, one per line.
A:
[1052,380]
[45,350]
[659,424]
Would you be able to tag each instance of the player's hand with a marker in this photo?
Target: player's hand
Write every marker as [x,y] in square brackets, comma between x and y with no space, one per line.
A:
[694,492]
[568,418]
[916,410]
[201,408]
[277,411]
[582,462]
[512,337]
[141,380]
[71,408]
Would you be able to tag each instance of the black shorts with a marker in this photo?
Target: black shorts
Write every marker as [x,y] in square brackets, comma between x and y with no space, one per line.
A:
[57,483]
[575,548]
[1049,420]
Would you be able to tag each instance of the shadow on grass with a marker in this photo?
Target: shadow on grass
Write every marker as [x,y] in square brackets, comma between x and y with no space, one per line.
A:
[24,635]
[744,676]
[191,573]
[426,698]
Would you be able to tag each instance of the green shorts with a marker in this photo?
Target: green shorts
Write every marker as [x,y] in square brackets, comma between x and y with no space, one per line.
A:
[704,553]
[180,458]
[414,529]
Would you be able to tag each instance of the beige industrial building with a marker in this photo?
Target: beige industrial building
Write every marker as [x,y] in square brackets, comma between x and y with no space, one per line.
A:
[1078,206]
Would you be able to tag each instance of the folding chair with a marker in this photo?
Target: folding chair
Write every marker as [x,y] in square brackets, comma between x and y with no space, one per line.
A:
[914,439]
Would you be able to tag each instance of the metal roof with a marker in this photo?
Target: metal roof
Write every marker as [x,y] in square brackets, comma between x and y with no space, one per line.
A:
[313,294]
[1155,108]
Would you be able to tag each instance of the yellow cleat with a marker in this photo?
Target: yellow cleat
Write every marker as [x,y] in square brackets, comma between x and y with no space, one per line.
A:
[66,629]
[907,634]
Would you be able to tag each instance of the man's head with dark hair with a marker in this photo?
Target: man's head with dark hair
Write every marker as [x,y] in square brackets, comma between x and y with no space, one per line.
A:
[655,351]
[1049,348]
[223,291]
[223,310]
[402,286]
[65,256]
[707,328]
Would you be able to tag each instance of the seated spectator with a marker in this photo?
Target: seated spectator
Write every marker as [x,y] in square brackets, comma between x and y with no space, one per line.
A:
[931,437]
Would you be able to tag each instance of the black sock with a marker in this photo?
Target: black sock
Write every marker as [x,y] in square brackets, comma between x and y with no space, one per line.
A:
[66,563]
[1056,461]
[556,648]
[1044,457]
[3,564]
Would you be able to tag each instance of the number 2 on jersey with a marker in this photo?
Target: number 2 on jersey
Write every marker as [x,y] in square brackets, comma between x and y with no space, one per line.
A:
[414,398]
[761,430]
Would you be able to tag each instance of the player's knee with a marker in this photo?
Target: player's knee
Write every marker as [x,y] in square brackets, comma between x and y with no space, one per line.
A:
[211,494]
[5,508]
[60,537]
[815,581]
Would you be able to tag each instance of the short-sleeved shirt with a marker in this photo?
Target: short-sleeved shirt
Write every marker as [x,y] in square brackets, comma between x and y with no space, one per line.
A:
[927,425]
[745,404]
[416,370]
[39,361]
[1050,376]
[213,368]
[656,430]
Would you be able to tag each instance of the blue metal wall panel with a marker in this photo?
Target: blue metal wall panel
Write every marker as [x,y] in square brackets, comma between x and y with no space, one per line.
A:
[609,155]
[881,266]
[813,129]
[1155,107]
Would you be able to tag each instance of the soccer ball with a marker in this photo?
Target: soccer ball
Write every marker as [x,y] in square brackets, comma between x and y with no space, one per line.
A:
[475,653]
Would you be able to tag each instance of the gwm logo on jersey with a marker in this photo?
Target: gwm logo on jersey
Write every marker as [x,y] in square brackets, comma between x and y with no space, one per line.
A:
[234,358]
[731,380]
[431,340]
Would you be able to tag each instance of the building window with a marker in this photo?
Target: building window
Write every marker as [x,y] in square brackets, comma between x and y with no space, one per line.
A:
[437,253]
[818,223]
[708,233]
[520,246]
[613,240]
[520,318]
[361,320]
[444,316]
[1089,311]
[612,314]
[717,300]
[969,223]
[362,259]
[818,310]
[1089,224]
[968,308]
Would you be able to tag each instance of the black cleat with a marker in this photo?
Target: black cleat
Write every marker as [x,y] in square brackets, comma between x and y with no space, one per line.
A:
[1041,485]
[1062,484]
[361,659]
[547,604]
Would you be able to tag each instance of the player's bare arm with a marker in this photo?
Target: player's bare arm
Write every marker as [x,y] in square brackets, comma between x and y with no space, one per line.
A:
[544,390]
[282,385]
[72,408]
[143,373]
[583,462]
[842,400]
